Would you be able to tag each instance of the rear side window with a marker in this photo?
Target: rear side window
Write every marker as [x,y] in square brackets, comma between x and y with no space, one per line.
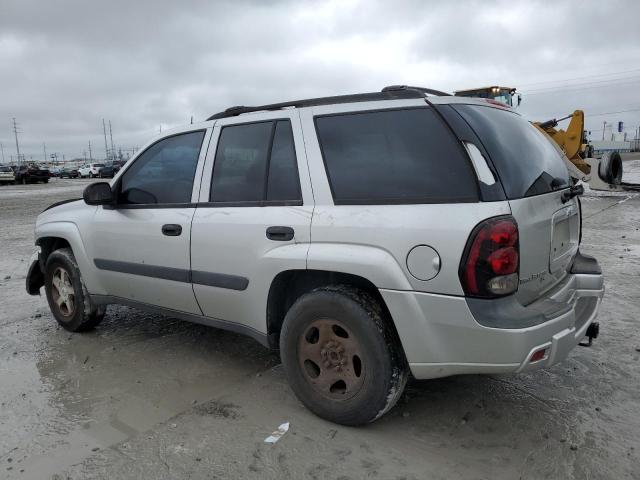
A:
[256,164]
[394,156]
[527,162]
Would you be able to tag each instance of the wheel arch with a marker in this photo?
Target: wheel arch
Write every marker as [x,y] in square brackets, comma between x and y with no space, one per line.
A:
[54,235]
[289,285]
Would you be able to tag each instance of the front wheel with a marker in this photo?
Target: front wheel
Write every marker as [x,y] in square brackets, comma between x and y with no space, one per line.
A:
[67,296]
[341,355]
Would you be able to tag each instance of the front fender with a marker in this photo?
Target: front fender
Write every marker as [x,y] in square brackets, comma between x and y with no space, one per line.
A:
[375,264]
[69,232]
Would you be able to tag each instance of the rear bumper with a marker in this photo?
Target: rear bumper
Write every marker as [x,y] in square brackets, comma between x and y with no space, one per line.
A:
[442,337]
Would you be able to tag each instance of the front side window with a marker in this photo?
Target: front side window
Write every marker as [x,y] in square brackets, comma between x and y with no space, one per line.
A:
[256,163]
[164,173]
[394,157]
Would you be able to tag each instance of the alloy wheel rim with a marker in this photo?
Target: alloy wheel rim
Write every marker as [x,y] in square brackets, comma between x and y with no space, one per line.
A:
[62,292]
[331,360]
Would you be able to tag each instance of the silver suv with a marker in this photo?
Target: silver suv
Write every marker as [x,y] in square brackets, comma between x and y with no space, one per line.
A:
[366,236]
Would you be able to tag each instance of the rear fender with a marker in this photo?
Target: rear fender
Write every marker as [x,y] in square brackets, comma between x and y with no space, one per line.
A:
[375,264]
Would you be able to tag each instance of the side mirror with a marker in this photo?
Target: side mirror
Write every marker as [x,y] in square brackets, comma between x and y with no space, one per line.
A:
[98,194]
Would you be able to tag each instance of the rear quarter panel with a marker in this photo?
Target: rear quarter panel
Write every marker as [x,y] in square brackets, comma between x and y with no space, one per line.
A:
[344,236]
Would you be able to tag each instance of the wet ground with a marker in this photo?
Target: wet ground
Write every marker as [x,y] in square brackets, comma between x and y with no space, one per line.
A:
[145,396]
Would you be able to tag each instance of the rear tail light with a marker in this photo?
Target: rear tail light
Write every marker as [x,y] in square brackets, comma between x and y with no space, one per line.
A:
[489,266]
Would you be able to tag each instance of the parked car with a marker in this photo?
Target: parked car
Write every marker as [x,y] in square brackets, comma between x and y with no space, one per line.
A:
[364,236]
[31,174]
[6,175]
[90,170]
[69,172]
[55,171]
[110,169]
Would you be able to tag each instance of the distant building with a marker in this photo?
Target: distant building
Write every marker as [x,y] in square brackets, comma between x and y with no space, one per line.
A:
[602,146]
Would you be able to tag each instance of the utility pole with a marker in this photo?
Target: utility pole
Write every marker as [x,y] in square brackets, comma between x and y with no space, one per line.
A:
[90,157]
[2,150]
[44,149]
[604,127]
[15,132]
[106,147]
[113,151]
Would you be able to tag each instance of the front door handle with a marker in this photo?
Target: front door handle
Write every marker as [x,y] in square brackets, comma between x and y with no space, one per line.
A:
[281,234]
[172,229]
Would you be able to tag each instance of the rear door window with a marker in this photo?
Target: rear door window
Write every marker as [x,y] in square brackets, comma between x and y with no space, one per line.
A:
[394,156]
[256,164]
[527,162]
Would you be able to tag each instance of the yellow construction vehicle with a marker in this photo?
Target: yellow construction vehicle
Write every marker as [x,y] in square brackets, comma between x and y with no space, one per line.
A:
[500,94]
[603,173]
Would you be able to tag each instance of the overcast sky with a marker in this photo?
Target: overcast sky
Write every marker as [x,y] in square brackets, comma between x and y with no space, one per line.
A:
[65,65]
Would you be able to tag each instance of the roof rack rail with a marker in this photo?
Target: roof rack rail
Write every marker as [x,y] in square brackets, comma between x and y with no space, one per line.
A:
[394,92]
[423,90]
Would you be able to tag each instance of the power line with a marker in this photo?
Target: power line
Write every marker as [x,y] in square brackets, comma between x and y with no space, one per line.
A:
[106,147]
[570,88]
[611,81]
[582,77]
[15,132]
[612,113]
[598,66]
[113,153]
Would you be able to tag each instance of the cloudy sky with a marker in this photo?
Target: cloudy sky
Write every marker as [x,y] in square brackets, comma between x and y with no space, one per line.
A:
[65,65]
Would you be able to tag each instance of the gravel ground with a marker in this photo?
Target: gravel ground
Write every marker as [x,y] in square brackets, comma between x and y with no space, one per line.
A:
[145,396]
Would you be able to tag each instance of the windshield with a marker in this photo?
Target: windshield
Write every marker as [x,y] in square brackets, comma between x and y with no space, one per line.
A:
[505,97]
[98,165]
[526,161]
[5,169]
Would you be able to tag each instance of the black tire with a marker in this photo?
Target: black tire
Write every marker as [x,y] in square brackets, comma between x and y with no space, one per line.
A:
[354,317]
[78,314]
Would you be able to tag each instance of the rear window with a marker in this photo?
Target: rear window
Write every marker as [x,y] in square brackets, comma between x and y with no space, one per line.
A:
[394,156]
[527,163]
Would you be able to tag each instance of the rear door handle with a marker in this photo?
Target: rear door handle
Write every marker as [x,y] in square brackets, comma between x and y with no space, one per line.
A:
[280,234]
[172,229]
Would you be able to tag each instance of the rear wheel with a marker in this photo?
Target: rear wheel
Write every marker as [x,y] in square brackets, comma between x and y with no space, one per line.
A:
[342,358]
[67,296]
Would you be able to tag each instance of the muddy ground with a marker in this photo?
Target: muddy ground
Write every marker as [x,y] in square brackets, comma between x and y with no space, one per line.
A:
[145,396]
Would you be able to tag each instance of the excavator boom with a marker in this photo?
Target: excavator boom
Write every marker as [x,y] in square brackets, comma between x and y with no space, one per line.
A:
[571,140]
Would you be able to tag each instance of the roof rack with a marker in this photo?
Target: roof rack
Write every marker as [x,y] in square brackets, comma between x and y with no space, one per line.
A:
[393,92]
